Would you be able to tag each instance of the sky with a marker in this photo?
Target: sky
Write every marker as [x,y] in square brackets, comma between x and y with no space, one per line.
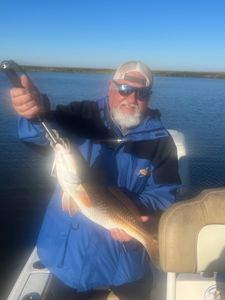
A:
[166,35]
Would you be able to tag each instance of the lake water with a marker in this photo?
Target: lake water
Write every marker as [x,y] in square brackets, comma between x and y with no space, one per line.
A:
[194,106]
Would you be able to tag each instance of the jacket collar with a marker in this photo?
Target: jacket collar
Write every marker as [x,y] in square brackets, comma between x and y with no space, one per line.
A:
[149,129]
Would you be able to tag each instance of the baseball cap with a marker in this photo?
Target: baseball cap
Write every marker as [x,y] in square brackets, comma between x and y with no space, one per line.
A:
[122,72]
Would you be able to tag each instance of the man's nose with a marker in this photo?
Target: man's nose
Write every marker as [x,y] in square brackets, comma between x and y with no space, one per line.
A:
[132,98]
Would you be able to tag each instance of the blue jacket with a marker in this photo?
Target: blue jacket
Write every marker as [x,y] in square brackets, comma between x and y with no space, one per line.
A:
[142,163]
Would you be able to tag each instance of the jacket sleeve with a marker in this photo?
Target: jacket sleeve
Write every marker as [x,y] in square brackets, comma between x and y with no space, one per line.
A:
[157,197]
[162,184]
[31,131]
[74,118]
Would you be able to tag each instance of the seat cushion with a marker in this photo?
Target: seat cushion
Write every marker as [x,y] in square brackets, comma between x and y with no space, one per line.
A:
[179,228]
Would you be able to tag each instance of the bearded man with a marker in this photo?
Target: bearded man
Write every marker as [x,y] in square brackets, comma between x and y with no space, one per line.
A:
[123,140]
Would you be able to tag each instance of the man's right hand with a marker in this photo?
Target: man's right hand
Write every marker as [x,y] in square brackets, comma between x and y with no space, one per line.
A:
[27,100]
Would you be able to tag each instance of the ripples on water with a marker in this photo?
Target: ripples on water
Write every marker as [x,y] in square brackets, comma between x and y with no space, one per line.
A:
[194,106]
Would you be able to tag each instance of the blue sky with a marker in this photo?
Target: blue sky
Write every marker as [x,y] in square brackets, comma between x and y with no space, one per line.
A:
[167,35]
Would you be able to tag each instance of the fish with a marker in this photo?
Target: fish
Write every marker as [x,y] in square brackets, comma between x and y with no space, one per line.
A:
[106,206]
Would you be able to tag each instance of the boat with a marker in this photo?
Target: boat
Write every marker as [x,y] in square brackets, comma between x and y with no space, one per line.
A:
[191,247]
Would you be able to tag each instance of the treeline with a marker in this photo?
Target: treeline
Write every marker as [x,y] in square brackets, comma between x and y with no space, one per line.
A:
[190,74]
[67,69]
[110,71]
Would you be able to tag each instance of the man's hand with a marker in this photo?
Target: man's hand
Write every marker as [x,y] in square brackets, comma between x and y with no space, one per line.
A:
[26,100]
[121,235]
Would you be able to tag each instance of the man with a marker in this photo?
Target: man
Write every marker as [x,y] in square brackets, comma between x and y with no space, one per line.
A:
[125,143]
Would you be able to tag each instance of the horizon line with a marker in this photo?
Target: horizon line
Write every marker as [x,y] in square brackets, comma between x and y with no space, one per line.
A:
[209,74]
[113,69]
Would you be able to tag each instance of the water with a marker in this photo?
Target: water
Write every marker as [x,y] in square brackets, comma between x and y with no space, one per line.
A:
[194,106]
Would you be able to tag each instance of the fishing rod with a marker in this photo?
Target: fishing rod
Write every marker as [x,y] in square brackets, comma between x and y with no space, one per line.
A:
[11,70]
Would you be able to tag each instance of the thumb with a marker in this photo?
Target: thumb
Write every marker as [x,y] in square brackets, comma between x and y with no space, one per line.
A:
[27,83]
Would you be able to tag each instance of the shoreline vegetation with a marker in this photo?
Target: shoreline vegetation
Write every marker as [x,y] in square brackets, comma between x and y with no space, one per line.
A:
[220,75]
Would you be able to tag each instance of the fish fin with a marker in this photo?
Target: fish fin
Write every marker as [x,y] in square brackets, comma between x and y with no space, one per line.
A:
[68,204]
[84,197]
[152,247]
[53,171]
[150,239]
[72,209]
[65,200]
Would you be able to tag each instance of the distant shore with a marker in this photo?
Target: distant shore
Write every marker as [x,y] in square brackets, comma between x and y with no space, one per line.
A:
[110,71]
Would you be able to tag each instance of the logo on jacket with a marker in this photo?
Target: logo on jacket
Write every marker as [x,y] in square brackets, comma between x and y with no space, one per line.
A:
[144,172]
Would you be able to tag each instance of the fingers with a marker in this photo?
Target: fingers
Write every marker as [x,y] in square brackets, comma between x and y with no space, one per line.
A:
[26,100]
[29,113]
[25,104]
[21,96]
[27,83]
[120,235]
[145,218]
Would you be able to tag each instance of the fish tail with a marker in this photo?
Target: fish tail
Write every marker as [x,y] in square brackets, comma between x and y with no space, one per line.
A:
[150,242]
[149,239]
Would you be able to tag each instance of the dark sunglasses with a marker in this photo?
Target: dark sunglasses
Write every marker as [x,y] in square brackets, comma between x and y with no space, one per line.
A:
[142,93]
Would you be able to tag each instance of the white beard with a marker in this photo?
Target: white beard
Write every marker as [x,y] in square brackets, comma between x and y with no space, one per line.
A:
[124,120]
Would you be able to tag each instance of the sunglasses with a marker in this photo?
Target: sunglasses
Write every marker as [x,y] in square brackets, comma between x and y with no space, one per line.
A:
[142,93]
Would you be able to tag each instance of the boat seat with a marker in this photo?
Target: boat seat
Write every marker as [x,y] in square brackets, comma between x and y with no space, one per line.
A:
[192,234]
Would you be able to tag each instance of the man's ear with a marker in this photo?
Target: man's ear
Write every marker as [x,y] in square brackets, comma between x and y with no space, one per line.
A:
[109,83]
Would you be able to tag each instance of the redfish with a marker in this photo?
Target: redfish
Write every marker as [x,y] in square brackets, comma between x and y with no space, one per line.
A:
[107,206]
